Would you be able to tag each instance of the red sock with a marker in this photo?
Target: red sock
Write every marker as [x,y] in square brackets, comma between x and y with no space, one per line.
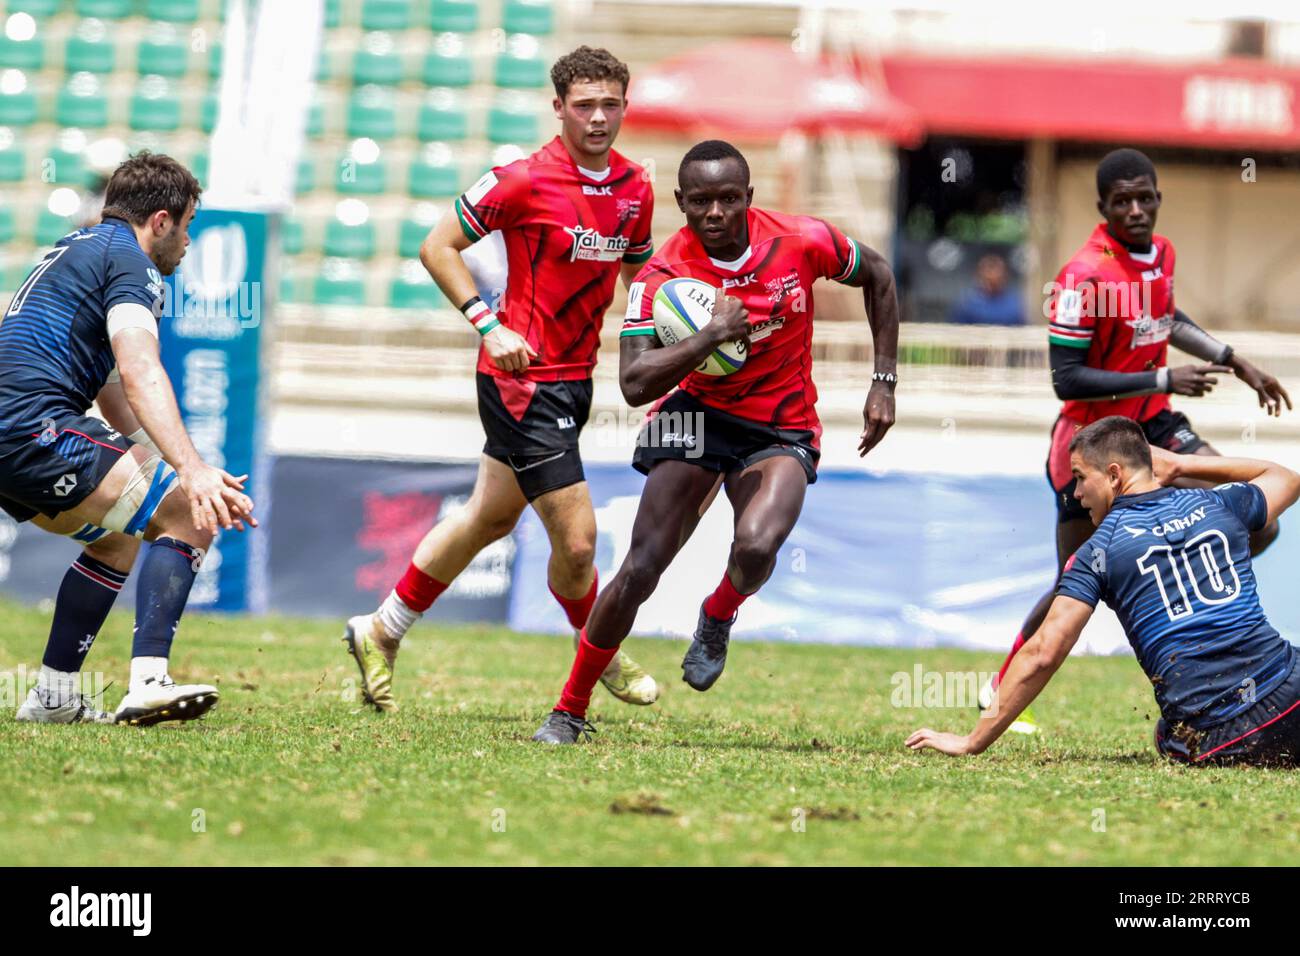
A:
[417,590]
[589,663]
[577,609]
[724,601]
[1020,642]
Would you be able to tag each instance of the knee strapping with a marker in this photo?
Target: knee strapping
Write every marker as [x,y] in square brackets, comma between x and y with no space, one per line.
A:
[145,490]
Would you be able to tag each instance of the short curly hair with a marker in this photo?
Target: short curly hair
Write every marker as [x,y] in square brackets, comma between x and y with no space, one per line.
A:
[586,63]
[146,183]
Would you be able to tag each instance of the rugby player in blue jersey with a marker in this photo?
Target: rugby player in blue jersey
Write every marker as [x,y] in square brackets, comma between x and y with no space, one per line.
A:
[1174,565]
[84,326]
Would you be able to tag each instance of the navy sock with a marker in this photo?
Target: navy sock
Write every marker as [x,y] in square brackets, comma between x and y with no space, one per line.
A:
[166,576]
[86,596]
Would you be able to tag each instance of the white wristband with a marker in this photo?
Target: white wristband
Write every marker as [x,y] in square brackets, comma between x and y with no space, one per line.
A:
[1162,379]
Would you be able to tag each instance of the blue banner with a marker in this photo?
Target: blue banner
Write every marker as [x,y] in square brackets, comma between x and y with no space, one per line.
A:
[211,345]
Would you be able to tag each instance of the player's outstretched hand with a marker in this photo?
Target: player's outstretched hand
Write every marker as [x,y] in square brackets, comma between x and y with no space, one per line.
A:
[508,350]
[216,498]
[1195,380]
[877,417]
[954,745]
[1269,389]
[730,322]
[1164,465]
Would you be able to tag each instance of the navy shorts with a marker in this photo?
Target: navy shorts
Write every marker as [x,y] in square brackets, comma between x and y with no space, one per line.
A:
[682,428]
[1267,734]
[533,427]
[54,468]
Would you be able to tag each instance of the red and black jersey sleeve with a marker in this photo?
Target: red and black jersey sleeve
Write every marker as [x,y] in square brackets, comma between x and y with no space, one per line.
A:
[640,316]
[1072,314]
[835,255]
[642,245]
[499,200]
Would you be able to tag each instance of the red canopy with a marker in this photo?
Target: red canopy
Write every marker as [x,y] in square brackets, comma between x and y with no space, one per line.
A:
[759,89]
[1218,105]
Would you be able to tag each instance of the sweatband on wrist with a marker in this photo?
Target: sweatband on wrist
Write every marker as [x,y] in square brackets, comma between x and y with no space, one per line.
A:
[479,315]
[1162,380]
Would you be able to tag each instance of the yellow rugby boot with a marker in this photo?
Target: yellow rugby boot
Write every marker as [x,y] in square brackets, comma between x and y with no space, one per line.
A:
[375,654]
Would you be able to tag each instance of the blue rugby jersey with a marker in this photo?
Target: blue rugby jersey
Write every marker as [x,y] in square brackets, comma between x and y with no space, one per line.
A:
[1174,566]
[54,349]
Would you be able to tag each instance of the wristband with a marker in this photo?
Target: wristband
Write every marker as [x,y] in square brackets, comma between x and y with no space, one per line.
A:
[1162,379]
[889,378]
[479,315]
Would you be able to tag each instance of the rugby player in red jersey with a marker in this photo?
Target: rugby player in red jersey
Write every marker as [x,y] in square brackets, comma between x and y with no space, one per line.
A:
[755,431]
[1112,320]
[574,216]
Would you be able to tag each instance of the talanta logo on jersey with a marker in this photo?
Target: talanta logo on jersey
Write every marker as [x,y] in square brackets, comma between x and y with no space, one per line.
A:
[1149,331]
[591,245]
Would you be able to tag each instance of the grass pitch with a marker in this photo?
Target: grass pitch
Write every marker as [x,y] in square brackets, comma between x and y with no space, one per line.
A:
[795,757]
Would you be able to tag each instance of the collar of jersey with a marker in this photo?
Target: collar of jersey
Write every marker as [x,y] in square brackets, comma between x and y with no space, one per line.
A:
[556,148]
[1142,259]
[1123,501]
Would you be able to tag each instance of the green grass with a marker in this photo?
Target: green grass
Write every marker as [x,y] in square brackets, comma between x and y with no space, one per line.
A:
[288,769]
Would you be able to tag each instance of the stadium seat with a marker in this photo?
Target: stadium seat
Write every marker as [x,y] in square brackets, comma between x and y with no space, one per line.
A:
[442,118]
[414,228]
[106,9]
[305,181]
[529,16]
[51,227]
[17,101]
[520,65]
[512,120]
[37,8]
[372,113]
[362,171]
[7,226]
[386,14]
[434,174]
[200,165]
[339,282]
[163,52]
[90,49]
[377,61]
[350,239]
[64,167]
[413,288]
[208,111]
[173,11]
[333,14]
[26,54]
[154,106]
[458,16]
[13,158]
[292,236]
[215,52]
[81,103]
[448,63]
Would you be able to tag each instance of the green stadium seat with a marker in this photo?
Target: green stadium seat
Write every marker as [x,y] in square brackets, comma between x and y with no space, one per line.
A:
[305,181]
[155,106]
[520,65]
[13,157]
[51,227]
[163,52]
[350,241]
[340,282]
[458,16]
[8,228]
[362,170]
[106,9]
[442,118]
[529,16]
[90,49]
[293,286]
[316,119]
[448,63]
[377,61]
[324,65]
[81,103]
[386,14]
[26,54]
[173,11]
[17,101]
[413,230]
[200,166]
[512,120]
[413,288]
[292,236]
[215,52]
[37,8]
[208,111]
[64,167]
[372,113]
[333,14]
[434,173]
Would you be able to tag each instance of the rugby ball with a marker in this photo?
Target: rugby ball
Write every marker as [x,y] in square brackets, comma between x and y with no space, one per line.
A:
[684,306]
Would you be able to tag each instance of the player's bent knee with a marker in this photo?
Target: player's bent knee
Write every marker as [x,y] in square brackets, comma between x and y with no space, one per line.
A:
[141,498]
[755,554]
[637,579]
[579,552]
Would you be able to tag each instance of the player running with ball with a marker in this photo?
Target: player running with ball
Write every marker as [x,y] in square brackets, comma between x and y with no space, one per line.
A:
[90,304]
[574,216]
[1174,564]
[754,431]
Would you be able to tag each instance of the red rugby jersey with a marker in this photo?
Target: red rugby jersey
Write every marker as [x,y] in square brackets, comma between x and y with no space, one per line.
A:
[774,279]
[566,235]
[1120,307]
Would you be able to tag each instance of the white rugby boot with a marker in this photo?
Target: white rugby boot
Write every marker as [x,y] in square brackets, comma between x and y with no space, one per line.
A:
[77,709]
[158,699]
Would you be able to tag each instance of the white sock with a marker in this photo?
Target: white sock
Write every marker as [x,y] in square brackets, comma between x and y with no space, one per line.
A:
[146,668]
[396,617]
[55,687]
